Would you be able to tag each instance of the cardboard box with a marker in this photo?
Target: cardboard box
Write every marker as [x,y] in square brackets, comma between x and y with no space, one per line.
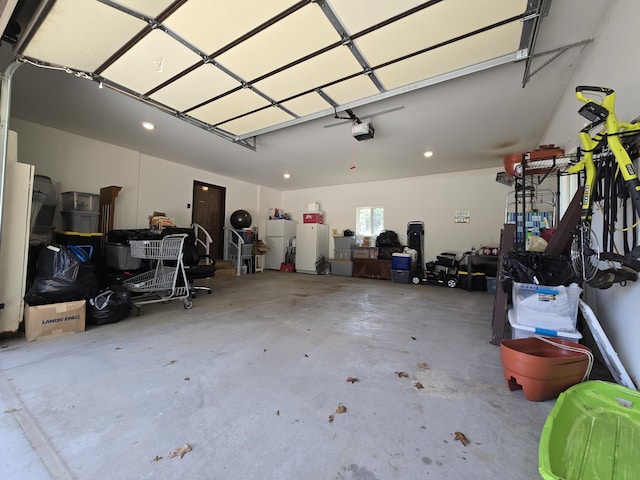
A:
[157,222]
[259,248]
[365,252]
[54,319]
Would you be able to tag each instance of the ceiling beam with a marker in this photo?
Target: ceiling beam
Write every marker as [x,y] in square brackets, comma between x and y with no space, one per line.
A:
[6,10]
[510,58]
[532,21]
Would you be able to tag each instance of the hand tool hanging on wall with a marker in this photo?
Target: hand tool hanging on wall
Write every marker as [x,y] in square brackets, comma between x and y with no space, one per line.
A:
[612,196]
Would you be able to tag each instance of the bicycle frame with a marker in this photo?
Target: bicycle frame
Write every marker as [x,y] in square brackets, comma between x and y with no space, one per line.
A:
[613,130]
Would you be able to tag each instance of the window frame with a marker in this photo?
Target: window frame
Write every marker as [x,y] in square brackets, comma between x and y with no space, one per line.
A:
[372,209]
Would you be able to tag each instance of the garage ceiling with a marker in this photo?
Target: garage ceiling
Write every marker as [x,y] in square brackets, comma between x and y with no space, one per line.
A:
[246,67]
[245,70]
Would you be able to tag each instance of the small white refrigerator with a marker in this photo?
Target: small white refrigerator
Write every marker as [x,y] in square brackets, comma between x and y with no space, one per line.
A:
[312,240]
[279,233]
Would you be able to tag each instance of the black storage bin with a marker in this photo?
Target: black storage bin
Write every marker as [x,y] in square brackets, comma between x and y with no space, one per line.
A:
[478,280]
[124,236]
[93,240]
[400,276]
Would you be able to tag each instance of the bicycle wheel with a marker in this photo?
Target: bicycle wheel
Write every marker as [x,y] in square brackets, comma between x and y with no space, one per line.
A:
[585,253]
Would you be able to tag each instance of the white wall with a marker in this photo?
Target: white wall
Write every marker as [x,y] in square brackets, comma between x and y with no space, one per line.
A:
[81,164]
[148,183]
[610,61]
[432,199]
[168,187]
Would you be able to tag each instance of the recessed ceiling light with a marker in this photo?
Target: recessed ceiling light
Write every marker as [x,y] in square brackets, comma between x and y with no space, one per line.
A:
[148,125]
[428,154]
[286,175]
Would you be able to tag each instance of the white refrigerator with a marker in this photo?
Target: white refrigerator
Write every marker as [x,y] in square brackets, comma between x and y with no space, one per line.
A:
[312,240]
[279,233]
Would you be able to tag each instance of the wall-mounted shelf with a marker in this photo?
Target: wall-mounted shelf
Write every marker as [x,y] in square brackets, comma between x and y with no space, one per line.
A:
[543,167]
[528,205]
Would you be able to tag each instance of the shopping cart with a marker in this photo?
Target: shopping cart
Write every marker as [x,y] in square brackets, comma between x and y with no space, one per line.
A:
[168,280]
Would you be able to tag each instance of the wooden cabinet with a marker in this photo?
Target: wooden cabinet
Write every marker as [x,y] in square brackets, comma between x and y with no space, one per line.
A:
[370,268]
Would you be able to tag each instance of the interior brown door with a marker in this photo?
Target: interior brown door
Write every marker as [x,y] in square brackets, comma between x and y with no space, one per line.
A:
[208,211]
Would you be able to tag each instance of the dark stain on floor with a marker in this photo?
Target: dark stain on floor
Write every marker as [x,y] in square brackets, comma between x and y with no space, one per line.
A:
[361,473]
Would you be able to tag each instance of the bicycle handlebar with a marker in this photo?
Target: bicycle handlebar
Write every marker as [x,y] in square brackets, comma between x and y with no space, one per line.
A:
[586,88]
[607,101]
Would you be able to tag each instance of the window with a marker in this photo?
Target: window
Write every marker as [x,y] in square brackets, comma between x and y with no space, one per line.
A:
[369,220]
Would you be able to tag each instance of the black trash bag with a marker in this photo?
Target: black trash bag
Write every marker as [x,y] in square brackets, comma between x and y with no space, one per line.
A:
[387,238]
[386,253]
[323,267]
[109,306]
[63,274]
[536,267]
[88,283]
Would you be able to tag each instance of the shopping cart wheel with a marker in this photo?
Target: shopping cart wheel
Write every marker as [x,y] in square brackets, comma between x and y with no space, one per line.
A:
[187,304]
[138,310]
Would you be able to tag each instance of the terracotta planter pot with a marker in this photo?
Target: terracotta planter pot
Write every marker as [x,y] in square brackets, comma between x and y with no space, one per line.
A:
[510,162]
[542,370]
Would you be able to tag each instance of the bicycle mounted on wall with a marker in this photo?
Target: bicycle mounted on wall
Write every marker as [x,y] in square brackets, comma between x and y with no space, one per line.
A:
[609,175]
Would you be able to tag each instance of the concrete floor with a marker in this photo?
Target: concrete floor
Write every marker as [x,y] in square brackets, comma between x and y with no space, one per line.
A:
[250,376]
